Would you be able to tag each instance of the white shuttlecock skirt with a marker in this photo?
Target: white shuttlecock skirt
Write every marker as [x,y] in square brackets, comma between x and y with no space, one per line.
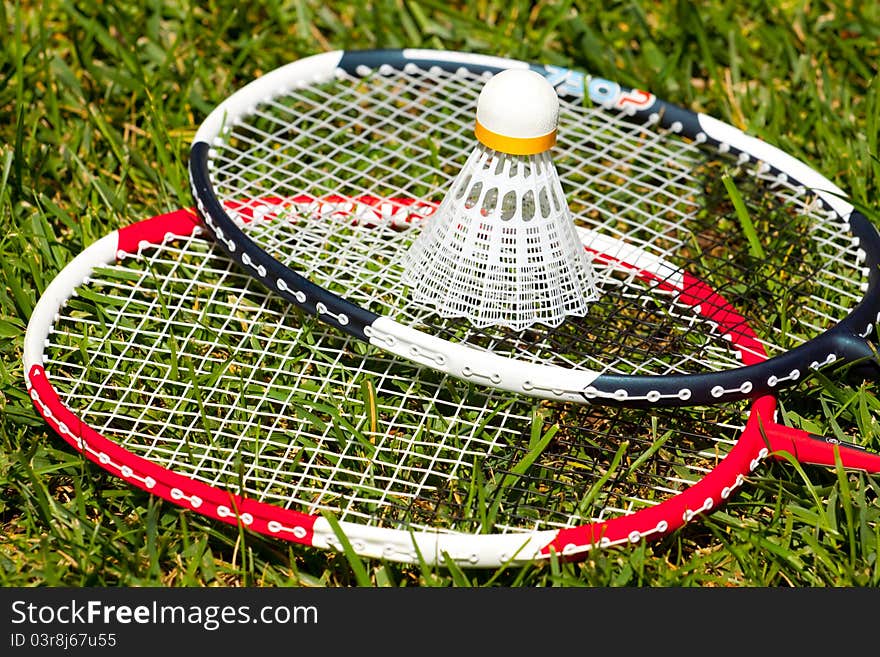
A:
[502,248]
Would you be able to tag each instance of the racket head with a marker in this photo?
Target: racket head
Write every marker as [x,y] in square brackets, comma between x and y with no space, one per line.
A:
[153,355]
[353,149]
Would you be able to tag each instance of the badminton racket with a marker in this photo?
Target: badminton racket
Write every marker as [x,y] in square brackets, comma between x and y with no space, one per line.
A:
[747,269]
[157,358]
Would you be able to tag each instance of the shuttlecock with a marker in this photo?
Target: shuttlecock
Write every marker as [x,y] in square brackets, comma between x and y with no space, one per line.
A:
[501,249]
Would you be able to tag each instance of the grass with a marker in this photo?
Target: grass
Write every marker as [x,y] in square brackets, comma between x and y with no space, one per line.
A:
[98,104]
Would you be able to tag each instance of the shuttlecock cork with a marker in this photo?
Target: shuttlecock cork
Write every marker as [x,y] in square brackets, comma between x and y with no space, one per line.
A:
[502,248]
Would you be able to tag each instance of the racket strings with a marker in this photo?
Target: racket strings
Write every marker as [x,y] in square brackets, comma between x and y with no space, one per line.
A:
[740,281]
[323,383]
[371,274]
[635,183]
[404,136]
[355,138]
[238,395]
[809,275]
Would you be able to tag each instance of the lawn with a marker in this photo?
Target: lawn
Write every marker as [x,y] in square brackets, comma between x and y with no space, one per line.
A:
[98,105]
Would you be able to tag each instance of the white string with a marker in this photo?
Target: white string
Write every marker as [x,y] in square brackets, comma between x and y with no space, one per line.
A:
[284,414]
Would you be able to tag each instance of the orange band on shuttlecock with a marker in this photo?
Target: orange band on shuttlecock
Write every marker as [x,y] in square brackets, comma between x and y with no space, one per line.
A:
[514,145]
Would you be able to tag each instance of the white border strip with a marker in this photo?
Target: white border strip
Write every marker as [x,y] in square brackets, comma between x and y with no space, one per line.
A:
[472,550]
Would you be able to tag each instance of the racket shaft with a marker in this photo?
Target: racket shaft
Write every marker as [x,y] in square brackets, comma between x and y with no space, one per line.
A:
[814,449]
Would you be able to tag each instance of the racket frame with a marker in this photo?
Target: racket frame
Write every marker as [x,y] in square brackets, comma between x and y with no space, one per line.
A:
[761,437]
[846,342]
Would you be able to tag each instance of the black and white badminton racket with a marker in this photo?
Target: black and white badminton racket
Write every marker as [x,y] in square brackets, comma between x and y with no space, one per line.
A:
[317,176]
[155,356]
